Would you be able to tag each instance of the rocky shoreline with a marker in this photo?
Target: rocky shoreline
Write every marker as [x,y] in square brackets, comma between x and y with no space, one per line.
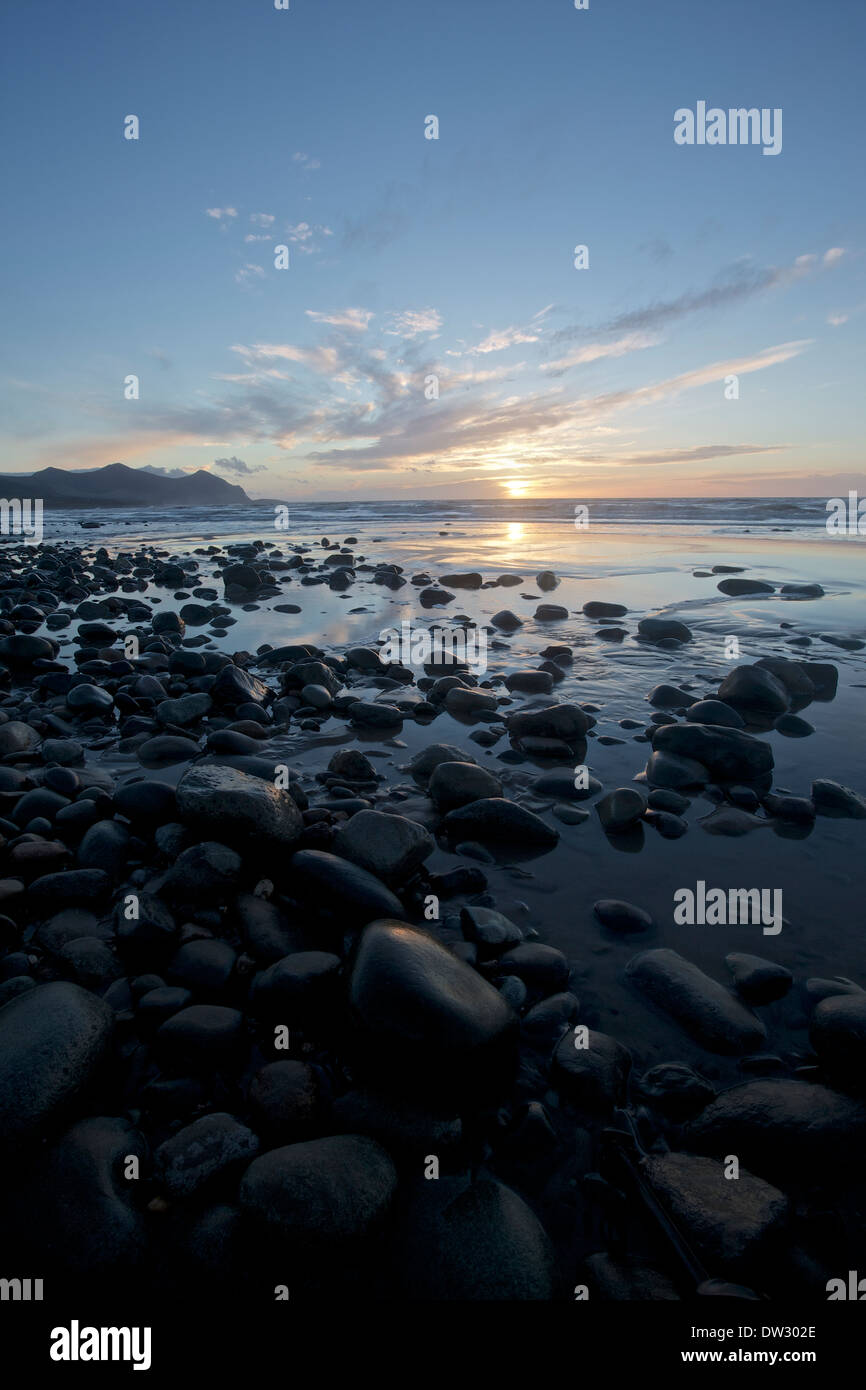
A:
[249,1036]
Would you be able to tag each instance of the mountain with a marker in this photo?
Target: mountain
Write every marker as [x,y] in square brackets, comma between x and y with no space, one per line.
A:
[117,485]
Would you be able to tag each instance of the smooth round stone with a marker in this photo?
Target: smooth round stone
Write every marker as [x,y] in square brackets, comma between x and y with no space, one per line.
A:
[670,697]
[780,1127]
[490,930]
[550,613]
[460,1242]
[89,699]
[351,893]
[365,714]
[202,1154]
[593,1077]
[205,967]
[759,981]
[428,758]
[456,784]
[714,712]
[619,916]
[17,737]
[323,1193]
[837,1032]
[204,1036]
[499,821]
[317,696]
[188,709]
[834,799]
[506,621]
[462,701]
[619,809]
[669,826]
[663,629]
[236,808]
[391,847]
[753,687]
[90,962]
[738,587]
[542,968]
[792,726]
[566,722]
[423,1013]
[167,748]
[52,1041]
[302,988]
[203,874]
[284,1101]
[77,1187]
[709,1012]
[530,682]
[675,1090]
[105,846]
[670,771]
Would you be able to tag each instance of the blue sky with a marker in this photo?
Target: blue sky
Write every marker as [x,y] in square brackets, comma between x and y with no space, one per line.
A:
[452,257]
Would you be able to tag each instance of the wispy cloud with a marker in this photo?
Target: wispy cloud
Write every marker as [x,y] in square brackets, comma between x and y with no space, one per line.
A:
[739,283]
[306,236]
[411,322]
[593,352]
[306,161]
[220,213]
[357,320]
[249,273]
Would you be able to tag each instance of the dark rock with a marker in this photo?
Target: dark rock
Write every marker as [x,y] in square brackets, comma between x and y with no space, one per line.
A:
[52,1041]
[700,1004]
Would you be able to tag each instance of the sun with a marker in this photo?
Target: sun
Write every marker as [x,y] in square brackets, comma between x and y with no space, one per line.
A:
[516,487]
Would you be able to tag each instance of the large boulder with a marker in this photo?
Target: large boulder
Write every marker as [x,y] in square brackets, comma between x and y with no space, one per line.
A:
[424,1017]
[53,1039]
[228,805]
[391,847]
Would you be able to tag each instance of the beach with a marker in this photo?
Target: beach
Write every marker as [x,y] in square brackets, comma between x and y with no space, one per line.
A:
[557,903]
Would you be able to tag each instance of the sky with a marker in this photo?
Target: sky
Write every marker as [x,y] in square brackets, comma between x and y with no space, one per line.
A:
[431,335]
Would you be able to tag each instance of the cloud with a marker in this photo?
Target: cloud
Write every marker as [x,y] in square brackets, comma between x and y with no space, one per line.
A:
[318,359]
[306,162]
[237,466]
[249,273]
[592,352]
[411,322]
[355,319]
[253,236]
[262,219]
[305,236]
[836,320]
[161,357]
[498,341]
[741,282]
[220,213]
